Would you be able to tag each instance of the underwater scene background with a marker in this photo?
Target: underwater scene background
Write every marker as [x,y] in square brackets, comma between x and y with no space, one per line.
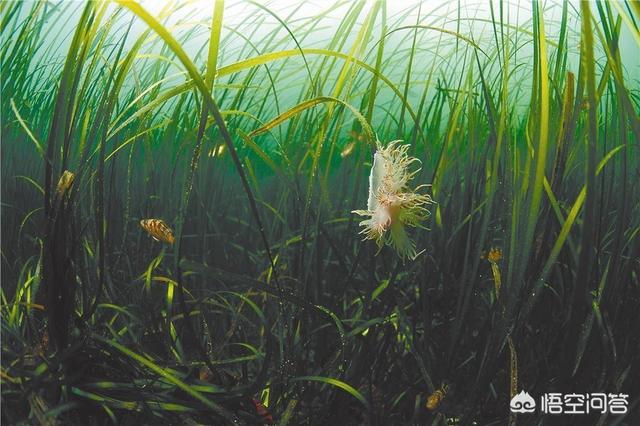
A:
[207,217]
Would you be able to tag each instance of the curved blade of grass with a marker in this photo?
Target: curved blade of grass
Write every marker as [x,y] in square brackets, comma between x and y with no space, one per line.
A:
[627,20]
[162,372]
[337,383]
[269,57]
[26,128]
[542,124]
[260,152]
[128,405]
[295,40]
[442,30]
[261,60]
[35,184]
[213,108]
[310,103]
[567,225]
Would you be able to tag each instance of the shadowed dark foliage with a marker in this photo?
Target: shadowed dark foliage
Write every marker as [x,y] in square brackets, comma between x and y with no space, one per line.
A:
[249,129]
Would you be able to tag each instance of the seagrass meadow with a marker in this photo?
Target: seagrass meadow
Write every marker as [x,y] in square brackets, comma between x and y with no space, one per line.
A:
[206,219]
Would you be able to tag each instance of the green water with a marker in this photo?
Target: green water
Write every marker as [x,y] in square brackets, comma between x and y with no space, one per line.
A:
[500,240]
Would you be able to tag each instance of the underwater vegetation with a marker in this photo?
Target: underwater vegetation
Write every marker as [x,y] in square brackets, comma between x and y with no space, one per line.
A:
[298,213]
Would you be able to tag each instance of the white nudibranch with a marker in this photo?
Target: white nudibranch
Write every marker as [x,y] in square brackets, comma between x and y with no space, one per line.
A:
[392,205]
